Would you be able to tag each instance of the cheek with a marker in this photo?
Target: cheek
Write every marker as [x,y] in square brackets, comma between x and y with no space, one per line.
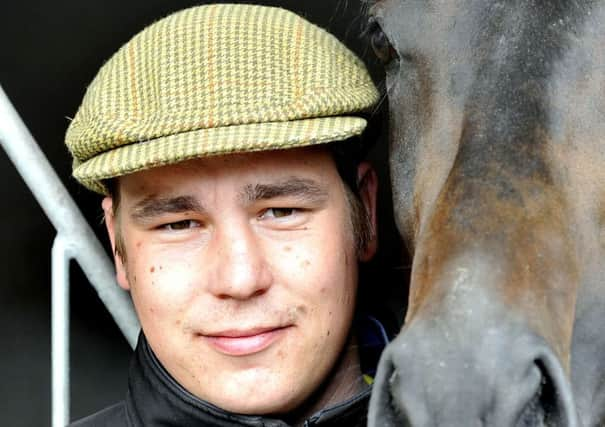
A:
[312,260]
[160,287]
[323,274]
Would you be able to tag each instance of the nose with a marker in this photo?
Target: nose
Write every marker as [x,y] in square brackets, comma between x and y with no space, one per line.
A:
[435,374]
[241,270]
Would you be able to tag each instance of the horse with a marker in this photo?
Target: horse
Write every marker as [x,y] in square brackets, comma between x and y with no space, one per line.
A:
[497,163]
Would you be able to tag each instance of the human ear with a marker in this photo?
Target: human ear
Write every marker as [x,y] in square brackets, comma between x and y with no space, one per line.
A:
[110,223]
[367,184]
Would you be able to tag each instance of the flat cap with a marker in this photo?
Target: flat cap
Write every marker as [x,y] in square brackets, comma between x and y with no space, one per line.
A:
[217,79]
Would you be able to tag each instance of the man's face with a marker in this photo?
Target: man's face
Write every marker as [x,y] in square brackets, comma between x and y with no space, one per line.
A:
[243,272]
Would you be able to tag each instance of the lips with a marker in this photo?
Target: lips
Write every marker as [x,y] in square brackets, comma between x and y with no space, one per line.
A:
[244,342]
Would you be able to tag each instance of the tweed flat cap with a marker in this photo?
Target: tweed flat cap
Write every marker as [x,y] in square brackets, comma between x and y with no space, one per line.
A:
[217,79]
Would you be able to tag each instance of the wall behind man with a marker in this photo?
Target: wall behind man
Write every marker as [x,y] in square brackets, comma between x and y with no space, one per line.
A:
[50,52]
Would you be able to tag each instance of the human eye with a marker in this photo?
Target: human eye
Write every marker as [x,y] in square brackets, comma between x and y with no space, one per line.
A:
[181,225]
[278,213]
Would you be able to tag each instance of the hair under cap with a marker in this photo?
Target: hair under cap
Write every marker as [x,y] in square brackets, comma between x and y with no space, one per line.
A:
[217,79]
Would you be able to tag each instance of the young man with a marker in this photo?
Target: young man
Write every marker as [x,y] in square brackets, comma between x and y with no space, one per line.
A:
[226,140]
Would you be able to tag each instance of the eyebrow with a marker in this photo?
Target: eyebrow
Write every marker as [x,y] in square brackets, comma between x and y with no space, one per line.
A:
[154,206]
[304,189]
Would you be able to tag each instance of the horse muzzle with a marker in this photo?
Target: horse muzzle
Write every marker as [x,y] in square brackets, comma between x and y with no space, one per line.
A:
[466,357]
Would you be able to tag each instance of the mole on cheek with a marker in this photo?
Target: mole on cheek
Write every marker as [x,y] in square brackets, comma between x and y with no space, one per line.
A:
[138,244]
[287,248]
[152,269]
[306,263]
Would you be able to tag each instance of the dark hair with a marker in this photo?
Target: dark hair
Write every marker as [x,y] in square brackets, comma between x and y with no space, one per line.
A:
[347,155]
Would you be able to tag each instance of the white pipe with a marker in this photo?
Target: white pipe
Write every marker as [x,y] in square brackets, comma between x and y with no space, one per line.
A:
[60,256]
[64,214]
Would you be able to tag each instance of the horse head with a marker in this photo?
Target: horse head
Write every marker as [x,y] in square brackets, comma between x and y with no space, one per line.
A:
[497,158]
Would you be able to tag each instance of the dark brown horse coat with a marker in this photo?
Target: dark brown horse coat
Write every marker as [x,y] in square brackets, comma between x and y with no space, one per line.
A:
[497,152]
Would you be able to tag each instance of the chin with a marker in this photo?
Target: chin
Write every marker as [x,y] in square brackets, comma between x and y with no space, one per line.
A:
[262,403]
[257,408]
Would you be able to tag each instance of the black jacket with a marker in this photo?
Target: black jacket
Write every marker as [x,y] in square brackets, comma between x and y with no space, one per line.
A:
[154,398]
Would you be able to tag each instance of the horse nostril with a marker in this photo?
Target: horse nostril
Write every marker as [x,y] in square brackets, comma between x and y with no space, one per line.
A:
[542,403]
[551,403]
[396,413]
[384,410]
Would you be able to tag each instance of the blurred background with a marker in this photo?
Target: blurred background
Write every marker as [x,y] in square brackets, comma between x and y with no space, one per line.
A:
[50,51]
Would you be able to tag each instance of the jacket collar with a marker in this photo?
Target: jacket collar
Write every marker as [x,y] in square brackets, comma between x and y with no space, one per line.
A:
[154,398]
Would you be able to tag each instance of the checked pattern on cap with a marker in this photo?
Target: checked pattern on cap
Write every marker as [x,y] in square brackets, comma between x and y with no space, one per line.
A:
[217,79]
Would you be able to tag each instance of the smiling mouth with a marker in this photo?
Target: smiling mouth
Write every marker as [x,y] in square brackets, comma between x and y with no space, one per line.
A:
[245,343]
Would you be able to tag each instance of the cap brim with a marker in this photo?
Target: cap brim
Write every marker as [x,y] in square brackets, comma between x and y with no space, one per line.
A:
[212,142]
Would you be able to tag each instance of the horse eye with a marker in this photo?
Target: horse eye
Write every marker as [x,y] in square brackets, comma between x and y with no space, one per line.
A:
[380,43]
